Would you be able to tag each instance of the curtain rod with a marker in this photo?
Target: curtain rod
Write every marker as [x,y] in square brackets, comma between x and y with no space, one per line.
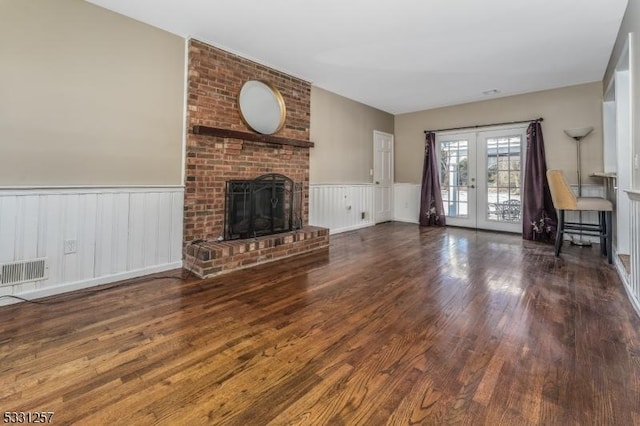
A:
[483,125]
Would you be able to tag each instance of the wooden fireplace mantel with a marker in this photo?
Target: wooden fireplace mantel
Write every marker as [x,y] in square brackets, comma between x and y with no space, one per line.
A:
[254,137]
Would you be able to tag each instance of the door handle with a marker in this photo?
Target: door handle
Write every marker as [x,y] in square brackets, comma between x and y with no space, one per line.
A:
[377,183]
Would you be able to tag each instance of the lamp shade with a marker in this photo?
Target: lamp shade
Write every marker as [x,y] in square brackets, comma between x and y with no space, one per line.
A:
[578,134]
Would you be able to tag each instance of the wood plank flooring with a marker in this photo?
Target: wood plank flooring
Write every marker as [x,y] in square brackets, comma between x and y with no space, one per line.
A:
[395,325]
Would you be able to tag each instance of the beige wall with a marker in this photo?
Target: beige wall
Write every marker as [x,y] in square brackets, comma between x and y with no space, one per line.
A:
[630,24]
[568,107]
[87,97]
[342,130]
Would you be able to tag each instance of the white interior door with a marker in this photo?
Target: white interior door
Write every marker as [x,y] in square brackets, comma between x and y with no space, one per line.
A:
[383,176]
[481,178]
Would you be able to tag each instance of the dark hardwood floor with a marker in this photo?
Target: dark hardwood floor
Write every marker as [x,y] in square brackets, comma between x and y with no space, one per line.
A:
[396,325]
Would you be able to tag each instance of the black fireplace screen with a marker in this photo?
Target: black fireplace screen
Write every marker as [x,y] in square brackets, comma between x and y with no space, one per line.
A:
[269,204]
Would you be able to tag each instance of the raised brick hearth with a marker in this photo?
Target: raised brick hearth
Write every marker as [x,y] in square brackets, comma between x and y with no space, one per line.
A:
[212,258]
[215,79]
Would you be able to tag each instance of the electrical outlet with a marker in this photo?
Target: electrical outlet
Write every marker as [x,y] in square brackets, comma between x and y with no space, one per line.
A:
[70,246]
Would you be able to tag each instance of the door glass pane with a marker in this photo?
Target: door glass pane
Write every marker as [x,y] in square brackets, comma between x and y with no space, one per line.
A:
[454,177]
[503,179]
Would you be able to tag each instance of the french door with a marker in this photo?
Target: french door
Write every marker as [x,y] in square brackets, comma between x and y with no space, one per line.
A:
[481,178]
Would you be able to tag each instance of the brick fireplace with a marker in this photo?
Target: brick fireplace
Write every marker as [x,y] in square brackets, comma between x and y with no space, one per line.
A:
[221,148]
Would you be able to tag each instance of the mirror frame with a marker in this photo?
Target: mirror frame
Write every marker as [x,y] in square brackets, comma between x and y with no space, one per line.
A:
[246,112]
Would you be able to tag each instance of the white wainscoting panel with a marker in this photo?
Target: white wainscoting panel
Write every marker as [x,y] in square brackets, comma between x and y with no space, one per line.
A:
[118,233]
[406,202]
[633,283]
[341,207]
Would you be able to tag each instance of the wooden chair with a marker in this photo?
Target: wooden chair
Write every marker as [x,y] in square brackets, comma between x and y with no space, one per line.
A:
[564,199]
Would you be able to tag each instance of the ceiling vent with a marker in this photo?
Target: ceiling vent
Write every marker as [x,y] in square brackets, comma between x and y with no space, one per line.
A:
[491,92]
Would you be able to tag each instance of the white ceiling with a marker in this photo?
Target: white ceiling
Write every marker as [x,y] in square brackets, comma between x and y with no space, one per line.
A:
[404,55]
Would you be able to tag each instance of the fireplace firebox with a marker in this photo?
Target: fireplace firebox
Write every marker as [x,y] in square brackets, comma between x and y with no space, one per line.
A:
[269,204]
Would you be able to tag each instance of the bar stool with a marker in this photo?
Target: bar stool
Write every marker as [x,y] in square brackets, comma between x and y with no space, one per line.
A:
[564,199]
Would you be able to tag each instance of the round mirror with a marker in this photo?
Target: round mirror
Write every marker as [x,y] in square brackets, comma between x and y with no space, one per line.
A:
[261,107]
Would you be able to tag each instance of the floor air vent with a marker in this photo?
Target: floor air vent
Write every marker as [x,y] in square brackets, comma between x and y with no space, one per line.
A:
[23,271]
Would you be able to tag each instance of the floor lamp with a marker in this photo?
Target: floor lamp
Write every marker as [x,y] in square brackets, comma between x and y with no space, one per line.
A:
[578,135]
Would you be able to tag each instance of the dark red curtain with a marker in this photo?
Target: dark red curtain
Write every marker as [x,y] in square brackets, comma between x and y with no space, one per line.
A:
[431,209]
[539,218]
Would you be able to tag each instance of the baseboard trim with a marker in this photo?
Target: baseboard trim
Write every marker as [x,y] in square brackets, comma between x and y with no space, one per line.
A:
[351,228]
[404,220]
[84,284]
